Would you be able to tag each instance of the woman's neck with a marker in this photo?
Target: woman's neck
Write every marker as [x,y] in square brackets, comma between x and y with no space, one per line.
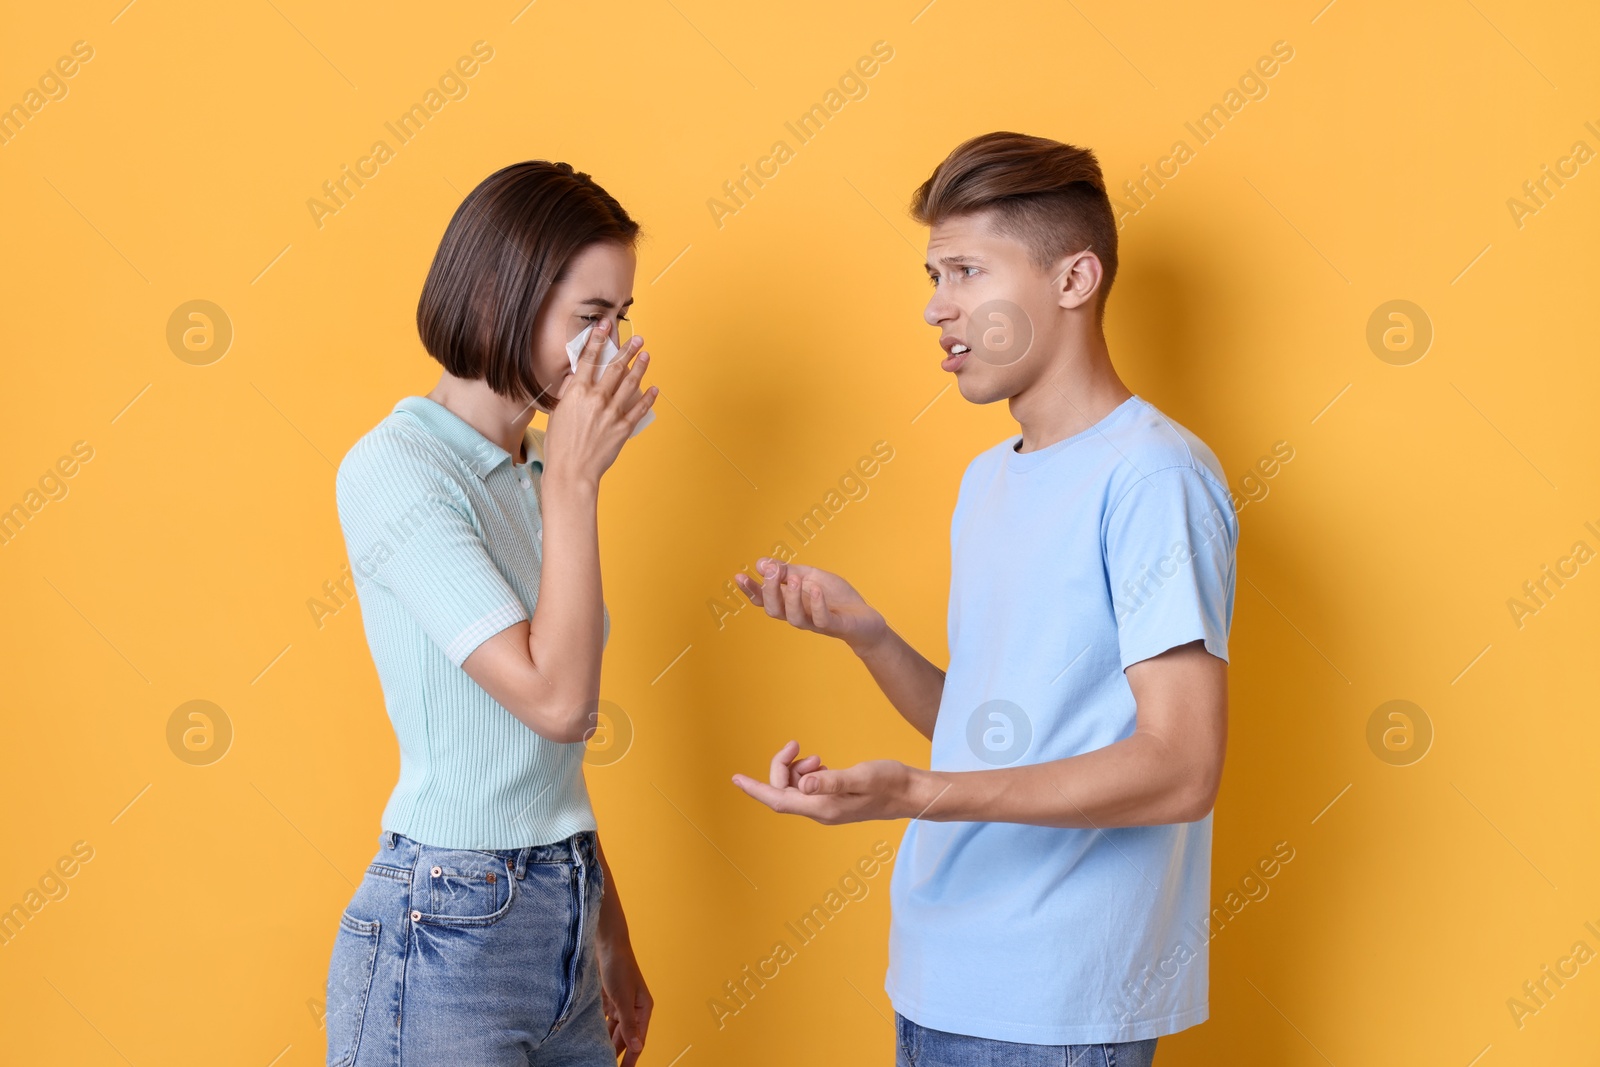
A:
[502,421]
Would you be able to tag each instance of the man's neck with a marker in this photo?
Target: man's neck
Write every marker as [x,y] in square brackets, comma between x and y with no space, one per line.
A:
[1078,389]
[480,407]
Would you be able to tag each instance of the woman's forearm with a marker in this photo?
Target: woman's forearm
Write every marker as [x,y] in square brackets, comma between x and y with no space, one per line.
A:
[613,925]
[566,632]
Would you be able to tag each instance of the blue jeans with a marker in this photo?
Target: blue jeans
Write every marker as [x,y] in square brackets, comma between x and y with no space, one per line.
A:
[919,1046]
[450,956]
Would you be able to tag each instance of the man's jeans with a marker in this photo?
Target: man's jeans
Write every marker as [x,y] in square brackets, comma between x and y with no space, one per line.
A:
[918,1046]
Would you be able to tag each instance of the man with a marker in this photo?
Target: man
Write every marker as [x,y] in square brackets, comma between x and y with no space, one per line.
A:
[1053,884]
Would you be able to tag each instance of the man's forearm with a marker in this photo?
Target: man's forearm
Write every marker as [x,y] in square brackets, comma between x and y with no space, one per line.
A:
[1138,781]
[913,685]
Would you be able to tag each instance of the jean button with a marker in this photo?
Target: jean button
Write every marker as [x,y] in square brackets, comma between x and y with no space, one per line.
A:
[416,915]
[437,871]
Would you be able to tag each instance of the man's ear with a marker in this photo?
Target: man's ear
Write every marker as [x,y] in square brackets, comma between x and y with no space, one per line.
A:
[1076,280]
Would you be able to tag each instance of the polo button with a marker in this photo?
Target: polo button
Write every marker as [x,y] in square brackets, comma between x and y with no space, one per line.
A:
[416,915]
[527,483]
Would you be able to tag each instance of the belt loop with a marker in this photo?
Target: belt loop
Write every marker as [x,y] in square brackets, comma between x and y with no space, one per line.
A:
[389,836]
[522,860]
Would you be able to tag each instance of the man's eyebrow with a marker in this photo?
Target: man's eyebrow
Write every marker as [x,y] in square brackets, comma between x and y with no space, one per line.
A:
[948,261]
[600,301]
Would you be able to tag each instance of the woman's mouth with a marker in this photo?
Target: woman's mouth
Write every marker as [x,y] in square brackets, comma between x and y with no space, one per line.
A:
[958,356]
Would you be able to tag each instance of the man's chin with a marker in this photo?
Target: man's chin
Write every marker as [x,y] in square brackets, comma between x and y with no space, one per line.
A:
[974,390]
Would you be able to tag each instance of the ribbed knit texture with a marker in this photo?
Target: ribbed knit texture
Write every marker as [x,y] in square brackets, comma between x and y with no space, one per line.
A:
[444,536]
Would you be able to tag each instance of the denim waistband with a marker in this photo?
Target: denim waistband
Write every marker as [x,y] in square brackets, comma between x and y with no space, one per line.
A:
[580,846]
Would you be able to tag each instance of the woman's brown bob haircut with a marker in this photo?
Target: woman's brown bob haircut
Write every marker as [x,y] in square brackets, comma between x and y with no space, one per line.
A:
[1048,195]
[509,242]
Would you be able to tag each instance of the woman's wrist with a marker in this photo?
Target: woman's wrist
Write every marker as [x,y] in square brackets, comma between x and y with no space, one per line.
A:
[566,486]
[612,937]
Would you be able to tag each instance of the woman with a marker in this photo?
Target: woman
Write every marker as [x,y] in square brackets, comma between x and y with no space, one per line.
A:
[487,929]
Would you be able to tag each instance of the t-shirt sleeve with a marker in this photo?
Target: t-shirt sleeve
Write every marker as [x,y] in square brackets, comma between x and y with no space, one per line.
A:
[1169,554]
[407,528]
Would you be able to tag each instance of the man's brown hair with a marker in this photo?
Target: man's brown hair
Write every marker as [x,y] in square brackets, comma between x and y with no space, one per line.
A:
[1048,195]
[512,238]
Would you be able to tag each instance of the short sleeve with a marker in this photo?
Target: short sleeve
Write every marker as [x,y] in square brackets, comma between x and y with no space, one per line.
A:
[407,527]
[1169,549]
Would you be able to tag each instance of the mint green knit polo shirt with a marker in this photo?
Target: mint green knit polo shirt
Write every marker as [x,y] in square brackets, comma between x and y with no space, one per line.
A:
[444,536]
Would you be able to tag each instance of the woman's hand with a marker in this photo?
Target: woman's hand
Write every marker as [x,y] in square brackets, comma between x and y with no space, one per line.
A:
[595,418]
[626,999]
[814,599]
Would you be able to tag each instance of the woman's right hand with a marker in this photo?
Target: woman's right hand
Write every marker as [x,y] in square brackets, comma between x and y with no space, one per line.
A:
[595,418]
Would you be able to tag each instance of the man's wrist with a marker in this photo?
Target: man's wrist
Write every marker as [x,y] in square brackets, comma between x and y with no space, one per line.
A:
[924,791]
[874,643]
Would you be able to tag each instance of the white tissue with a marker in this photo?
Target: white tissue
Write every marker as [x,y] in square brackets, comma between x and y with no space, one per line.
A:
[575,350]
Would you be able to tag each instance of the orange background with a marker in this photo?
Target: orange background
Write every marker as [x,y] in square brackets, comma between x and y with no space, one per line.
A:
[1425,488]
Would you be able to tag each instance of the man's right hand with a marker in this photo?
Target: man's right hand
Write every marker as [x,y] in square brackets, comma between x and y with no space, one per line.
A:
[814,599]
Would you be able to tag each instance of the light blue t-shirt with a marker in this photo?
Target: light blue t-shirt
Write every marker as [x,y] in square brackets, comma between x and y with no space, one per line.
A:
[1068,564]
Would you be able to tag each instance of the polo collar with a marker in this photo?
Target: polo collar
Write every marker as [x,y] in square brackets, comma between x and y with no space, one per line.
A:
[476,452]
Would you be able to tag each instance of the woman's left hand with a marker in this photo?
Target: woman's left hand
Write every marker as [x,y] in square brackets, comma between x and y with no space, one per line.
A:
[626,999]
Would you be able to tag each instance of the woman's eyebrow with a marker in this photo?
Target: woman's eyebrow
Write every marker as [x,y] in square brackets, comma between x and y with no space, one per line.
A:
[600,301]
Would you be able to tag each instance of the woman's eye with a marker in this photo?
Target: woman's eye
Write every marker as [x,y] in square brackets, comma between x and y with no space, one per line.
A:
[969,268]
